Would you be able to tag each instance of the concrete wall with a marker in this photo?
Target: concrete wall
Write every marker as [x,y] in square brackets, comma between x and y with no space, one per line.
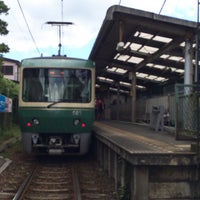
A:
[140,179]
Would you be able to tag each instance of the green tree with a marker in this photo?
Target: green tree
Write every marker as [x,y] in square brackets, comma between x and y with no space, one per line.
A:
[7,87]
[3,31]
[3,27]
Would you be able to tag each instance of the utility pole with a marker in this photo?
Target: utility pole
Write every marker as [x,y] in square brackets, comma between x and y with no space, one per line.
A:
[197,45]
[197,80]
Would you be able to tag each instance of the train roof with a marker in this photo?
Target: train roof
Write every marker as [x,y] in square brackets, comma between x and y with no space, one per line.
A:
[56,61]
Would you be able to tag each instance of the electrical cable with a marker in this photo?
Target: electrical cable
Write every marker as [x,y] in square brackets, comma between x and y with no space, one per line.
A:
[162,6]
[62,32]
[14,18]
[28,27]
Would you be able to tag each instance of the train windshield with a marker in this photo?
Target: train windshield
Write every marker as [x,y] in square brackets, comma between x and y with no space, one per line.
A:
[56,85]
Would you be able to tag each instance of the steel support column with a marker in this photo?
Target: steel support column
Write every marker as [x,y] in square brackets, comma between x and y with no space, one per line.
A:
[133,93]
[188,75]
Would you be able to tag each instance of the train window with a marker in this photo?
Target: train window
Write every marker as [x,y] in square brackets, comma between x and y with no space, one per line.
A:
[56,85]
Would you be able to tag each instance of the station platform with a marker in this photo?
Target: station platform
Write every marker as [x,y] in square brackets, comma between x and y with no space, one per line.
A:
[141,141]
[151,163]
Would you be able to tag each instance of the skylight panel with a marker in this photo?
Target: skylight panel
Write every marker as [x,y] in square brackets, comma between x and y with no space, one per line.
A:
[127,44]
[123,57]
[121,71]
[152,77]
[125,84]
[175,58]
[162,39]
[148,49]
[135,59]
[135,46]
[159,66]
[116,56]
[111,69]
[179,71]
[161,79]
[150,64]
[140,87]
[164,56]
[182,44]
[143,35]
[141,75]
[137,34]
[116,70]
[172,69]
[103,79]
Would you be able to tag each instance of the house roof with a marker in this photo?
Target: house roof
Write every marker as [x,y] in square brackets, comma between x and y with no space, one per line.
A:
[11,60]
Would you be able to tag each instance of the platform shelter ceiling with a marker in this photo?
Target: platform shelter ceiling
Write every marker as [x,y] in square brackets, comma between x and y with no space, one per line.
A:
[149,44]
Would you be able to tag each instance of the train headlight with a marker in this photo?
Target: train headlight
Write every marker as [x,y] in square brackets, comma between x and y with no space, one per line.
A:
[76,122]
[36,121]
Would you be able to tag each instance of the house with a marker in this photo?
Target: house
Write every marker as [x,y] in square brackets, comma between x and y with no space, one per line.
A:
[10,69]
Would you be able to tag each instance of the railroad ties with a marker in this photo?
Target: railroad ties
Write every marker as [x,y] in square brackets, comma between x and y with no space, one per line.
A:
[77,181]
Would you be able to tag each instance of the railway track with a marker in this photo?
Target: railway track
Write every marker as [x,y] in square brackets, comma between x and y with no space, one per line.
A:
[47,182]
[67,181]
[12,177]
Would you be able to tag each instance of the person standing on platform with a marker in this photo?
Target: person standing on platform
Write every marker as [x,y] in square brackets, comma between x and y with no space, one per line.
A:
[99,108]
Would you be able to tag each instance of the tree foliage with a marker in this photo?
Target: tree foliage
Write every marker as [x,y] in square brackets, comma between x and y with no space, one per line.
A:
[7,87]
[3,8]
[3,27]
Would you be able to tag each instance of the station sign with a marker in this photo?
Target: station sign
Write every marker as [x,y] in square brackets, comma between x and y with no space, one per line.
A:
[5,104]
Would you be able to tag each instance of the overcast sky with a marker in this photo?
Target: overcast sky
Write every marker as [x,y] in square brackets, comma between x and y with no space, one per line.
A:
[87,16]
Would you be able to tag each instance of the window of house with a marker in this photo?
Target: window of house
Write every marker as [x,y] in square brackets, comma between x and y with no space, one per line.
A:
[7,69]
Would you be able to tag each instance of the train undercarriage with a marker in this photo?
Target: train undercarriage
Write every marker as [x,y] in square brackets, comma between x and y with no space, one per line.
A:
[56,144]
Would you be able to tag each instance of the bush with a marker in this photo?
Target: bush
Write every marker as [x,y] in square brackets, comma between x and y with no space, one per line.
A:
[13,131]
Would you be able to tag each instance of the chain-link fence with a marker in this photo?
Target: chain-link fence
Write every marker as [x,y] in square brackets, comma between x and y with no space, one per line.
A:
[187,111]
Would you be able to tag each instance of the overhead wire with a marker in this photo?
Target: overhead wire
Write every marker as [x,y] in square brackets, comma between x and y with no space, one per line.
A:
[14,18]
[62,32]
[28,27]
[162,6]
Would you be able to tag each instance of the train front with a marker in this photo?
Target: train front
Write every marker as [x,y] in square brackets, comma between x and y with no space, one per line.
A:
[56,105]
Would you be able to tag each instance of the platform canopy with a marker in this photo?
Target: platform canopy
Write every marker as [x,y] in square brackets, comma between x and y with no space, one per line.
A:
[148,44]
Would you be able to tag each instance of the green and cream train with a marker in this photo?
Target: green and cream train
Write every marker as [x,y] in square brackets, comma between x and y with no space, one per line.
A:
[56,105]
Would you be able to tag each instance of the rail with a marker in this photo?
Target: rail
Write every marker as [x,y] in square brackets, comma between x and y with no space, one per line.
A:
[56,181]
